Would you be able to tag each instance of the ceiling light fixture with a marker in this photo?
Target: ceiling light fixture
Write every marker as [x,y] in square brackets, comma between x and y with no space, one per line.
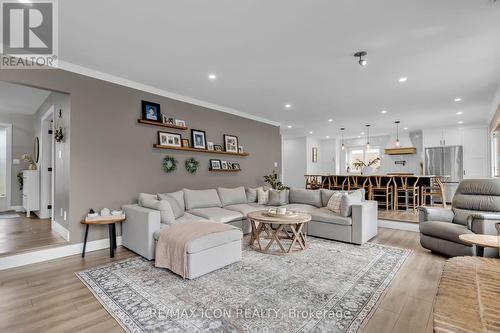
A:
[460,122]
[330,120]
[360,55]
[367,136]
[328,137]
[397,143]
[406,128]
[458,99]
[459,113]
[403,79]
[289,126]
[310,132]
[212,76]
[288,106]
[342,138]
[383,111]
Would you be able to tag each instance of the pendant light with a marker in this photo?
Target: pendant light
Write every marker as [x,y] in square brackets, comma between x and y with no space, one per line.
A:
[367,136]
[397,143]
[342,138]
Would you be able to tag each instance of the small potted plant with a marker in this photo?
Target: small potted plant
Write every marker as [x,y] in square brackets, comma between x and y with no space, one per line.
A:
[29,160]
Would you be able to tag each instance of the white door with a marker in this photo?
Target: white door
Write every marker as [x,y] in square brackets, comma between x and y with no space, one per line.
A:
[475,143]
[5,165]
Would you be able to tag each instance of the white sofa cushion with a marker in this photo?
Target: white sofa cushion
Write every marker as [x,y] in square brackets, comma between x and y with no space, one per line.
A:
[300,208]
[251,194]
[178,195]
[278,198]
[302,196]
[262,196]
[246,208]
[355,197]
[151,201]
[201,199]
[326,194]
[327,216]
[174,204]
[232,196]
[217,214]
[334,202]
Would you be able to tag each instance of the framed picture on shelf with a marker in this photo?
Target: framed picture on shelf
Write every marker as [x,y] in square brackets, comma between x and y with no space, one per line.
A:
[215,164]
[224,165]
[169,139]
[210,145]
[217,147]
[198,138]
[179,122]
[151,111]
[231,143]
[236,166]
[185,142]
[240,149]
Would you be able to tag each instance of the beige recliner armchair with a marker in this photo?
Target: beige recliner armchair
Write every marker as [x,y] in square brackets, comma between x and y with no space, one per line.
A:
[475,209]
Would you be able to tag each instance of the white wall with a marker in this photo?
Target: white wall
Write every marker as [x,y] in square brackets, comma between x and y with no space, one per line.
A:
[3,161]
[294,161]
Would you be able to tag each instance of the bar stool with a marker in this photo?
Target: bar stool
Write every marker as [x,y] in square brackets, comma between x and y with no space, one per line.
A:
[436,188]
[326,183]
[313,182]
[334,184]
[401,186]
[353,183]
[384,188]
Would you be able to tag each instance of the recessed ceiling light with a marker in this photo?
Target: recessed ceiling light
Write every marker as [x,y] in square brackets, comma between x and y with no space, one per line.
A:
[310,132]
[383,111]
[460,122]
[403,79]
[362,133]
[288,106]
[330,120]
[359,136]
[405,128]
[460,113]
[458,99]
[289,126]
[212,76]
[328,137]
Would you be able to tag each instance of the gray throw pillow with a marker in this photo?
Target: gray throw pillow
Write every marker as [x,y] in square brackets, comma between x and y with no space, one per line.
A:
[252,194]
[174,204]
[201,199]
[232,196]
[179,196]
[278,198]
[307,197]
[356,197]
[152,202]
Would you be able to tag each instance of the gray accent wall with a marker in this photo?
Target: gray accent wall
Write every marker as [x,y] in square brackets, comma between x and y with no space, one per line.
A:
[111,158]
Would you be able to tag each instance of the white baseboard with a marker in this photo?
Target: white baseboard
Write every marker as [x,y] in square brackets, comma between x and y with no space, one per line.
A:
[33,257]
[407,226]
[60,230]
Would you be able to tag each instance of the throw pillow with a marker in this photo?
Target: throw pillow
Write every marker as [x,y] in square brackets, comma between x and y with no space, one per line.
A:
[262,196]
[232,196]
[252,194]
[335,201]
[174,204]
[166,212]
[278,198]
[348,200]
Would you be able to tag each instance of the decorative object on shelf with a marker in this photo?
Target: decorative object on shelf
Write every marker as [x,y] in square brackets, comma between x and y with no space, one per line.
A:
[191,165]
[274,181]
[29,160]
[240,149]
[215,165]
[59,131]
[185,142]
[169,139]
[117,212]
[169,164]
[397,143]
[315,155]
[179,122]
[92,213]
[231,143]
[198,139]
[105,212]
[210,145]
[342,146]
[151,111]
[236,166]
[224,165]
[36,150]
[20,180]
[217,147]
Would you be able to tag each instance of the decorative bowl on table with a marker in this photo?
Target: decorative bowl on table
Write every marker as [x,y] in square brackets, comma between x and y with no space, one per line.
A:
[281,212]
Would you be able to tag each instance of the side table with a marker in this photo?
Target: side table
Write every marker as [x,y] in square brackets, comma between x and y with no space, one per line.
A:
[480,241]
[112,233]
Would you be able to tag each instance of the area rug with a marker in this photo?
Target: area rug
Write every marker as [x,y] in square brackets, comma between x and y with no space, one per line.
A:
[330,287]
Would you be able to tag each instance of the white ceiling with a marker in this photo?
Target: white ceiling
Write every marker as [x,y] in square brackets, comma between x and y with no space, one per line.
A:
[269,53]
[16,98]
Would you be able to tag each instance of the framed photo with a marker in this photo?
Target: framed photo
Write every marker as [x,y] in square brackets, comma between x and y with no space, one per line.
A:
[179,122]
[240,149]
[215,164]
[164,119]
[210,145]
[231,143]
[236,166]
[151,111]
[217,147]
[170,121]
[198,138]
[185,142]
[224,165]
[315,155]
[169,139]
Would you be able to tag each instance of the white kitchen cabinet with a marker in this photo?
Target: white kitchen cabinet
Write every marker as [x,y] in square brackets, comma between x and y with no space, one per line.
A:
[31,191]
[436,137]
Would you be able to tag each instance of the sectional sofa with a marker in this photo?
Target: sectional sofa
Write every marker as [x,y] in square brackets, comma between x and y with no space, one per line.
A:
[356,223]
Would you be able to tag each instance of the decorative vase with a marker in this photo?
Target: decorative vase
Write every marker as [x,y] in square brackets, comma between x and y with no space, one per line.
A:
[368,170]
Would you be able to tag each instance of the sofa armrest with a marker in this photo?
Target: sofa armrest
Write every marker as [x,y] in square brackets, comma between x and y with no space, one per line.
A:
[483,223]
[364,221]
[435,214]
[138,230]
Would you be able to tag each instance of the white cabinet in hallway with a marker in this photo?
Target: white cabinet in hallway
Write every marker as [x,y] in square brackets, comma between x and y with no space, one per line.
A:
[31,191]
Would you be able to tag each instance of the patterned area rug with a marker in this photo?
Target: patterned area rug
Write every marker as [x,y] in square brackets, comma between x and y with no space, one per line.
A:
[330,287]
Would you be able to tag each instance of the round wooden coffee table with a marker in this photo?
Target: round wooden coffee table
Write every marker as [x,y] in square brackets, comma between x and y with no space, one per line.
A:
[480,241]
[277,230]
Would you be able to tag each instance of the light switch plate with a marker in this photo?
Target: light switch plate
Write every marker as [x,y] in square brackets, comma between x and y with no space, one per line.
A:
[275,164]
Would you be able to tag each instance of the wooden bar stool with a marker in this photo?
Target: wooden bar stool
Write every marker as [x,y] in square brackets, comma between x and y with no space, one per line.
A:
[354,183]
[313,182]
[345,184]
[334,184]
[408,190]
[382,187]
[326,183]
[435,189]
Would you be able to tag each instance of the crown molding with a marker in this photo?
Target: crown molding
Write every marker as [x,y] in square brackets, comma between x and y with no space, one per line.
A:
[70,67]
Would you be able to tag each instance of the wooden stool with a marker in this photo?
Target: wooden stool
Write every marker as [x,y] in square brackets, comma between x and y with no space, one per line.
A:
[334,184]
[384,188]
[326,183]
[408,190]
[353,183]
[435,189]
[313,182]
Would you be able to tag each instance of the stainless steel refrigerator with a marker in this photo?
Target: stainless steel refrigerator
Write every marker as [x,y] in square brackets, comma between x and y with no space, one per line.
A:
[446,161]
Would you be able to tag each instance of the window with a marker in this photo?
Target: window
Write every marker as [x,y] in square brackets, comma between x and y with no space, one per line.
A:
[355,155]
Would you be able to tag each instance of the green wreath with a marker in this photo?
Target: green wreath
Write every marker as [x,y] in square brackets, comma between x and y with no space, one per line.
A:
[192,165]
[169,164]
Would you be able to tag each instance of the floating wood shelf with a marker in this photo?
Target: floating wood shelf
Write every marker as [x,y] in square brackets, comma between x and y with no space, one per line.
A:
[224,170]
[154,123]
[401,151]
[200,150]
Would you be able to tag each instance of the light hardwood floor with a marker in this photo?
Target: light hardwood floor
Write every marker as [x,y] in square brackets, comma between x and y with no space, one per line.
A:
[26,233]
[48,297]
